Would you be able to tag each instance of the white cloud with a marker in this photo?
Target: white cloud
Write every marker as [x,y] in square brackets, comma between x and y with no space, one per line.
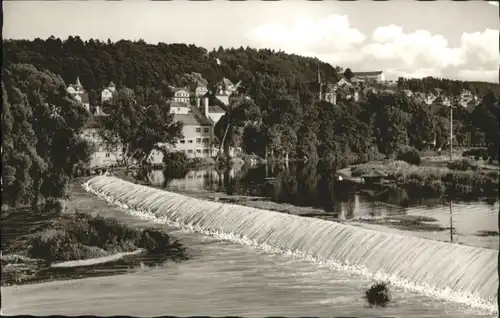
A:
[482,46]
[419,49]
[414,54]
[330,35]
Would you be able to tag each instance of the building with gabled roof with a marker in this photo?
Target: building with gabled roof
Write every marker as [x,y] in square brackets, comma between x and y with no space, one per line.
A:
[181,95]
[78,93]
[108,92]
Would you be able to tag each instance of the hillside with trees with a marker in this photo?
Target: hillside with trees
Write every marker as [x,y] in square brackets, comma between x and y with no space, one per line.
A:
[448,86]
[133,64]
[283,119]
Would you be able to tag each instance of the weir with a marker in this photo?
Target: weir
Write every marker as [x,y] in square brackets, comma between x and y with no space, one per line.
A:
[456,272]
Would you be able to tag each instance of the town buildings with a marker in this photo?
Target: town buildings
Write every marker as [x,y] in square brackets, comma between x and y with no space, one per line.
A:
[79,94]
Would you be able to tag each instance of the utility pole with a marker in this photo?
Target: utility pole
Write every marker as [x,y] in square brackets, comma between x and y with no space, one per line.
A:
[451,221]
[451,130]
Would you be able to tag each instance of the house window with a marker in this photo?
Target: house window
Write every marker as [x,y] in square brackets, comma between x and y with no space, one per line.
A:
[198,140]
[205,140]
[107,154]
[183,141]
[198,150]
[206,129]
[205,151]
[190,141]
[190,150]
[198,129]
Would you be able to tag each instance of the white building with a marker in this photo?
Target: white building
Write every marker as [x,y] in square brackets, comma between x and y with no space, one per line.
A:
[181,95]
[79,94]
[107,93]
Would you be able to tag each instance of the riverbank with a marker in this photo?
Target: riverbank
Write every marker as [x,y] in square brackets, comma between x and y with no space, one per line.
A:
[432,180]
[33,242]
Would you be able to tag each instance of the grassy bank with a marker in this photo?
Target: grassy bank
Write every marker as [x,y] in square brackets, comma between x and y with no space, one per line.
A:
[32,241]
[426,180]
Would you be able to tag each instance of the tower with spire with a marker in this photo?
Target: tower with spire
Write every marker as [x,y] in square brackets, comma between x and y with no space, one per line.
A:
[320,97]
[79,94]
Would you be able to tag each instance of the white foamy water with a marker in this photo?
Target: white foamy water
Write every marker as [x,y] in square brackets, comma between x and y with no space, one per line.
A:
[453,272]
[222,278]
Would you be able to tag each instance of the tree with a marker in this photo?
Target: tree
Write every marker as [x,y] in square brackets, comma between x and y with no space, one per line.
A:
[140,122]
[486,117]
[421,130]
[282,121]
[238,115]
[44,135]
[348,74]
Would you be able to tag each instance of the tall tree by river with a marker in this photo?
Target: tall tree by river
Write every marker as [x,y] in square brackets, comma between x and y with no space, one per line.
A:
[42,135]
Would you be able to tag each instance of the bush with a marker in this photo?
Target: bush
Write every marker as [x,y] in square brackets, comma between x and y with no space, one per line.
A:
[54,245]
[175,164]
[82,236]
[378,294]
[464,164]
[409,155]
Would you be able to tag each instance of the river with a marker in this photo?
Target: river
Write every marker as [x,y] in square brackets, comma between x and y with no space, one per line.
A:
[471,223]
[224,276]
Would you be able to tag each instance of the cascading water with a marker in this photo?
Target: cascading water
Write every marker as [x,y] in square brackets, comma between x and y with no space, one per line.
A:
[454,272]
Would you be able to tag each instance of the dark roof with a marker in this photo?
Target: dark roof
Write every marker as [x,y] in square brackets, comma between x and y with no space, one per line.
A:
[194,118]
[374,173]
[216,109]
[186,119]
[367,73]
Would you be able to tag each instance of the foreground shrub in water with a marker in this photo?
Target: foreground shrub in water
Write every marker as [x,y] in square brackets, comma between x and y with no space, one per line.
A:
[378,295]
[82,236]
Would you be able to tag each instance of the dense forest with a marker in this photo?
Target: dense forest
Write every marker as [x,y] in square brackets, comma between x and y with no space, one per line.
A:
[133,64]
[283,118]
[449,87]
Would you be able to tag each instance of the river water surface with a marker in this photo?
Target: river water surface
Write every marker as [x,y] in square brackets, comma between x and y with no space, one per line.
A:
[222,278]
[470,223]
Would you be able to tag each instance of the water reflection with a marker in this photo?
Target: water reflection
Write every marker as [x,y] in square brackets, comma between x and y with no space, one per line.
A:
[315,186]
[302,185]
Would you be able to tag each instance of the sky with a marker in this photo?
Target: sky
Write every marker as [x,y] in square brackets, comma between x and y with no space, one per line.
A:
[458,40]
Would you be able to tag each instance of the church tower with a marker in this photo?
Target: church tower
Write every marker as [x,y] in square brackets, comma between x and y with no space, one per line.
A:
[320,97]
